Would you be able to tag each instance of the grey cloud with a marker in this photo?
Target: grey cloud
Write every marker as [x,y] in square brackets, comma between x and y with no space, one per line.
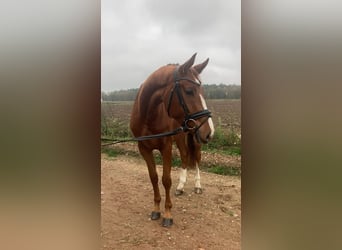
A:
[140,36]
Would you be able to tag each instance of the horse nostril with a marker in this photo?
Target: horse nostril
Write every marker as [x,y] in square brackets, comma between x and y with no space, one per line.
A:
[208,137]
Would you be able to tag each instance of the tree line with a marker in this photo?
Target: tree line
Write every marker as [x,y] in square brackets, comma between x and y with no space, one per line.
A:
[213,91]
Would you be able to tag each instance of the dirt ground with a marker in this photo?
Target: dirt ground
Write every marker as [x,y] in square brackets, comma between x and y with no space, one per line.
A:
[211,220]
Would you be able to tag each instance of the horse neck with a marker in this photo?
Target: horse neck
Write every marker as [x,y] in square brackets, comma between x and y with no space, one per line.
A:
[154,92]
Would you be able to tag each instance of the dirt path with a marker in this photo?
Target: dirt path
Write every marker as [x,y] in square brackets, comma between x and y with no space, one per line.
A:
[211,220]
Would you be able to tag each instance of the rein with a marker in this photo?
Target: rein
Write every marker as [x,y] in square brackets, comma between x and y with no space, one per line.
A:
[188,119]
[143,138]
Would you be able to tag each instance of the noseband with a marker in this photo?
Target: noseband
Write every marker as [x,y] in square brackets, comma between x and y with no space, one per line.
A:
[189,123]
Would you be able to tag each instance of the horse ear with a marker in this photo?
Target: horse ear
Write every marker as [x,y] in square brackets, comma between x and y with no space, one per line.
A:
[199,67]
[187,65]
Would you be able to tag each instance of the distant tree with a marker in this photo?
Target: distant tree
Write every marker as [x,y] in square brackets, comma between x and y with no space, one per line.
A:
[212,91]
[222,91]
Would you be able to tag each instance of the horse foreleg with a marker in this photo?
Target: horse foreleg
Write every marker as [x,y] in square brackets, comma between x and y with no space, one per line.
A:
[167,182]
[155,215]
[149,159]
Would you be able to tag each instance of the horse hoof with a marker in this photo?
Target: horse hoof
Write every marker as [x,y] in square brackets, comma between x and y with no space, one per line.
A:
[155,215]
[198,190]
[179,192]
[167,222]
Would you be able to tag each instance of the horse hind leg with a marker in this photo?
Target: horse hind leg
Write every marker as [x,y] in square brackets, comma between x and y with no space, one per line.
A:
[182,181]
[149,159]
[180,141]
[198,188]
[190,153]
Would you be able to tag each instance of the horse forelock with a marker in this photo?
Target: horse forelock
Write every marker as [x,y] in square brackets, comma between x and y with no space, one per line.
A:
[196,76]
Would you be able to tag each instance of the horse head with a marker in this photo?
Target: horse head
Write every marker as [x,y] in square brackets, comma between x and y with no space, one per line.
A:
[186,103]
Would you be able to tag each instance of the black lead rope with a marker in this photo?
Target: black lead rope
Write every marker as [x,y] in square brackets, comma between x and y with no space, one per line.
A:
[184,128]
[143,138]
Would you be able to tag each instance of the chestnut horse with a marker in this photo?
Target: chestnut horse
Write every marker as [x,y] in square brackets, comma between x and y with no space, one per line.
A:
[171,98]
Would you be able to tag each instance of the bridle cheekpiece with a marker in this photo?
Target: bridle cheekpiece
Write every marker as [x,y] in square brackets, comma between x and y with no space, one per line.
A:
[189,123]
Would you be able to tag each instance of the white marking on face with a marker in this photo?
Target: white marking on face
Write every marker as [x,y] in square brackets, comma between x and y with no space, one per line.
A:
[197,177]
[197,78]
[182,178]
[210,121]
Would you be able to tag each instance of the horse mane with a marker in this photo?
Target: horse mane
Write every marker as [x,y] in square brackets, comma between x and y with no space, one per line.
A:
[156,81]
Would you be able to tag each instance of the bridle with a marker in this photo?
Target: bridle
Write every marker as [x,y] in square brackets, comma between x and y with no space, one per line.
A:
[188,118]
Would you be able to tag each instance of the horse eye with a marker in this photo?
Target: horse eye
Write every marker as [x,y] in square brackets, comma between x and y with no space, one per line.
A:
[189,92]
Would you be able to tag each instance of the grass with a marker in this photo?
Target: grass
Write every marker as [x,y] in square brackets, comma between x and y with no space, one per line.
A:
[230,150]
[111,152]
[228,143]
[114,152]
[224,170]
[225,142]
[176,161]
[114,128]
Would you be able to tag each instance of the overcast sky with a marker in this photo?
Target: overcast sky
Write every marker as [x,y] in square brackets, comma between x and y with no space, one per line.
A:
[139,36]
